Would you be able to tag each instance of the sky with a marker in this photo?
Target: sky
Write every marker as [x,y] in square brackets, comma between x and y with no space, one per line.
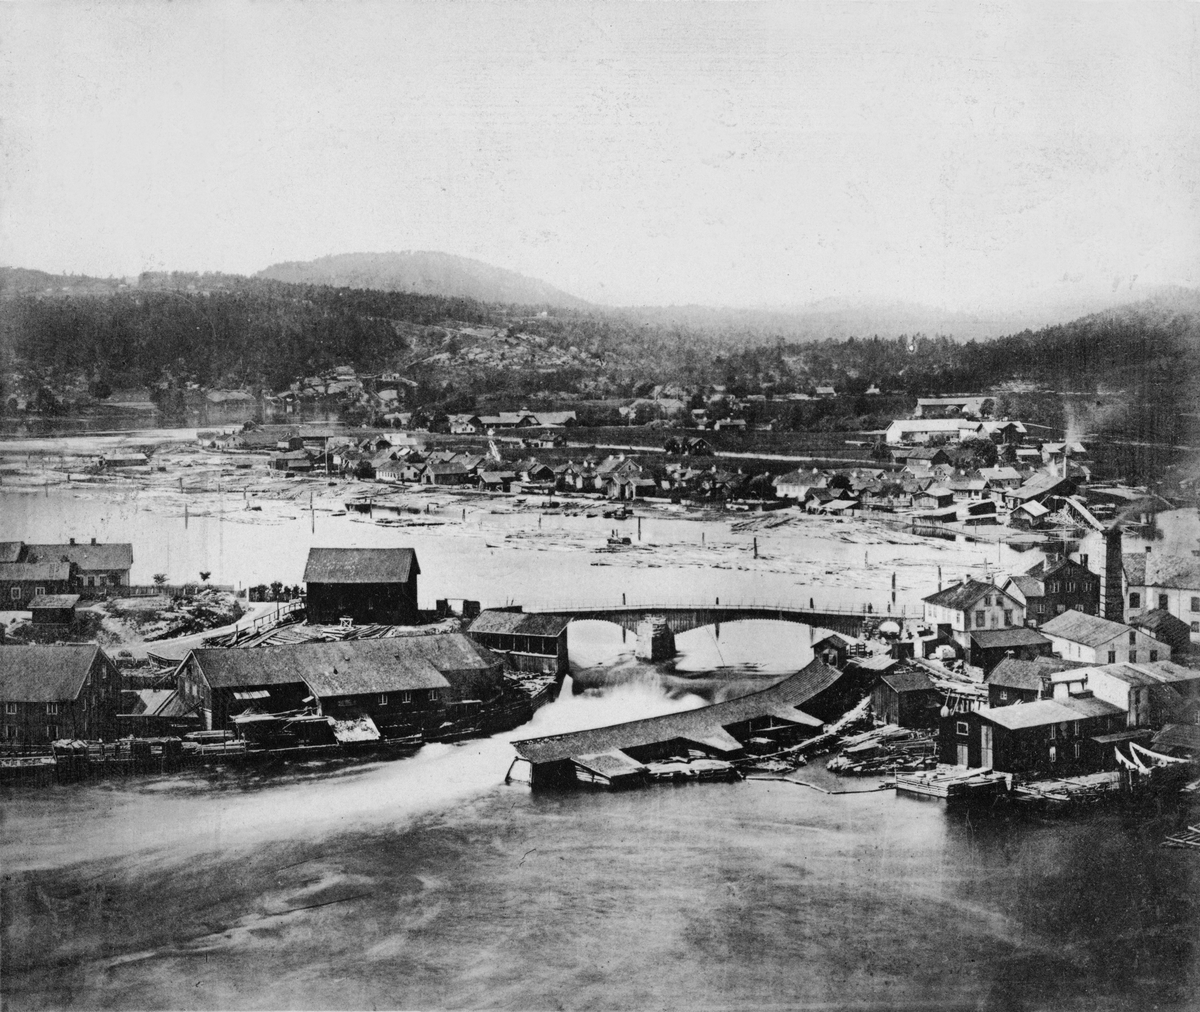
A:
[741,154]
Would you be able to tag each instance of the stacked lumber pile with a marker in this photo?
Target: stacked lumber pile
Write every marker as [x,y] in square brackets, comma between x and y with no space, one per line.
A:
[886,749]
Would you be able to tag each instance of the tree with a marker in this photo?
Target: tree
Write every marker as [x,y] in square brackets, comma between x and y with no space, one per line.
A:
[976,452]
[160,579]
[276,589]
[205,574]
[880,451]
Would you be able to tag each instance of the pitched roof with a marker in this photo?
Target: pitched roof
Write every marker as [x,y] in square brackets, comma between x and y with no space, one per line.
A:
[1079,627]
[1157,621]
[1029,586]
[40,674]
[1185,737]
[908,681]
[10,551]
[360,565]
[349,667]
[1047,711]
[518,623]
[1134,565]
[1015,673]
[35,571]
[117,555]
[54,601]
[1016,636]
[1174,572]
[1039,485]
[962,595]
[701,725]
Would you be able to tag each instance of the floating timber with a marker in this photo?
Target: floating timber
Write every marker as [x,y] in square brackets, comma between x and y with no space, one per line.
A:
[1189,839]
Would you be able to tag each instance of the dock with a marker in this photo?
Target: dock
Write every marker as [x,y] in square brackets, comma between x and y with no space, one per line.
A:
[954,783]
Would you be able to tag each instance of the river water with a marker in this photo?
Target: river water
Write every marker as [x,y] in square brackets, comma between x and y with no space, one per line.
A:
[427,883]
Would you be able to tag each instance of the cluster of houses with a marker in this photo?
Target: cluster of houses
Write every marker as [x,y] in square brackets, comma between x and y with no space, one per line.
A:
[1049,686]
[404,684]
[49,579]
[934,490]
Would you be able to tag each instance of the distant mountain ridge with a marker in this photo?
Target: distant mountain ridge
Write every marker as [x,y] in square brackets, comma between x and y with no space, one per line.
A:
[425,273]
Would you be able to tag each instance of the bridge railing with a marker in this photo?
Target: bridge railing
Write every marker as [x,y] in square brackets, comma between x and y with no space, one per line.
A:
[564,605]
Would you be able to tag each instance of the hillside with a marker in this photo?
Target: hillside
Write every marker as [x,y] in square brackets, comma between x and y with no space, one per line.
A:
[425,274]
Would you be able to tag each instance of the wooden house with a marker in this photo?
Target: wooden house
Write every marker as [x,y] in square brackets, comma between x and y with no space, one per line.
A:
[969,606]
[54,692]
[365,584]
[1049,736]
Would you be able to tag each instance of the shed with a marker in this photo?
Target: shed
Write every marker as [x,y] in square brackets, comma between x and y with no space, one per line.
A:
[528,642]
[54,609]
[906,698]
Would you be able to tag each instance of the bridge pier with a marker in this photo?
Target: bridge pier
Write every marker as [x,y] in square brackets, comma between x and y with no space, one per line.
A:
[655,641]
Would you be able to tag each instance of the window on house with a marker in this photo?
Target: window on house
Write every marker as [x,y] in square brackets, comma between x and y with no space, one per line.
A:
[52,708]
[1053,754]
[1008,618]
[979,619]
[382,699]
[10,731]
[1135,600]
[1075,729]
[1071,587]
[39,591]
[10,707]
[1053,731]
[91,581]
[1133,657]
[1162,601]
[1132,637]
[1153,655]
[15,593]
[1196,604]
[1077,749]
[434,694]
[406,697]
[1196,627]
[1112,657]
[960,726]
[52,732]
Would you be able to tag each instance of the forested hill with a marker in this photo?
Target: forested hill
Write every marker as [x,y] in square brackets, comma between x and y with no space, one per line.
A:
[423,273]
[230,331]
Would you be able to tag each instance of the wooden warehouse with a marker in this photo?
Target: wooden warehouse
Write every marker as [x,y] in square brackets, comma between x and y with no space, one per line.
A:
[368,585]
[535,643]
[406,684]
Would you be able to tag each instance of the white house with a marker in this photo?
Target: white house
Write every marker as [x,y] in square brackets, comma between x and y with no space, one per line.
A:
[1077,636]
[972,605]
[1166,583]
[921,430]
[1128,686]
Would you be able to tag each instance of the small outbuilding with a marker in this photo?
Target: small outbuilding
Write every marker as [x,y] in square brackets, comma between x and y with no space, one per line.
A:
[54,609]
[906,698]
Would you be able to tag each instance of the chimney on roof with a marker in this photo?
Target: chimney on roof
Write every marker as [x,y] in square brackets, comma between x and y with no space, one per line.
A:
[93,541]
[72,540]
[1147,549]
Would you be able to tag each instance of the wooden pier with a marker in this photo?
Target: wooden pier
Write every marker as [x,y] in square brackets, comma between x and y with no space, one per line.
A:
[954,784]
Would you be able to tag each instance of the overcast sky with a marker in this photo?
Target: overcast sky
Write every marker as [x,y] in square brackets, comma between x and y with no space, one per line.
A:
[737,154]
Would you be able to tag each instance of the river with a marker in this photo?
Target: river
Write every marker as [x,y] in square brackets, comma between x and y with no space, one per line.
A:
[427,883]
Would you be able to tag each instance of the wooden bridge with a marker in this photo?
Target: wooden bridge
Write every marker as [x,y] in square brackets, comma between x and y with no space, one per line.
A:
[681,617]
